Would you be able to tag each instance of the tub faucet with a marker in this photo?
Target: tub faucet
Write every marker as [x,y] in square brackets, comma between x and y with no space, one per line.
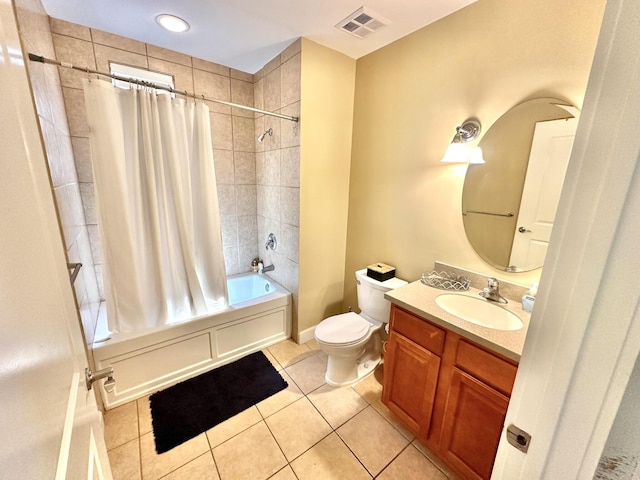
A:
[262,268]
[492,291]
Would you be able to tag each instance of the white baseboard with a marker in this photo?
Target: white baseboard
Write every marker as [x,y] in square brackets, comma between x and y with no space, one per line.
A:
[306,335]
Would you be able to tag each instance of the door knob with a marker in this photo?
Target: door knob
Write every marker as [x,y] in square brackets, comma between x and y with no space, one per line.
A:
[523,230]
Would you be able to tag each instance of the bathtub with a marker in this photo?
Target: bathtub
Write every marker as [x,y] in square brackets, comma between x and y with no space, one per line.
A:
[259,315]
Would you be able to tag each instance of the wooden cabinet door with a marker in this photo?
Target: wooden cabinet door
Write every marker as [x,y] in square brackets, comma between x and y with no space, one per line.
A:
[410,379]
[473,422]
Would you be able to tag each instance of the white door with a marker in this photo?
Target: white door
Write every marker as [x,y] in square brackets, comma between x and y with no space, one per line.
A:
[584,335]
[548,160]
[50,425]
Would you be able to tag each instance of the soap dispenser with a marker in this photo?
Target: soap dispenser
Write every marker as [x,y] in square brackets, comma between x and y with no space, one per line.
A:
[529,299]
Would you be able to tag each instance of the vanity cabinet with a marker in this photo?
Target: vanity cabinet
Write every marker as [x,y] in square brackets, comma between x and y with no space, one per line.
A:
[452,393]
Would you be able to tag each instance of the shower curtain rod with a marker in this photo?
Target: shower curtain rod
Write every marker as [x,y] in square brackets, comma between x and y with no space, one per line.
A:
[38,58]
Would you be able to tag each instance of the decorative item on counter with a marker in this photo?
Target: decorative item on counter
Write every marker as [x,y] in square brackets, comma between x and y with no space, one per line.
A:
[446,281]
[381,271]
[529,299]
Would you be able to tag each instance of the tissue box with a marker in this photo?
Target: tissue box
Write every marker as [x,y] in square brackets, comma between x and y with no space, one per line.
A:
[381,271]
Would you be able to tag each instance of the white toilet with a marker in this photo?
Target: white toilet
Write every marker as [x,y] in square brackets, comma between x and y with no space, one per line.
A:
[352,340]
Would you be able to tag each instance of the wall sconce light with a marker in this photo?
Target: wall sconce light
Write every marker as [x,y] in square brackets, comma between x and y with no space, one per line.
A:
[458,151]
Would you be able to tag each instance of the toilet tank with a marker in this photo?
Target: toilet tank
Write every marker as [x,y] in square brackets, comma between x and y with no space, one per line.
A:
[371,301]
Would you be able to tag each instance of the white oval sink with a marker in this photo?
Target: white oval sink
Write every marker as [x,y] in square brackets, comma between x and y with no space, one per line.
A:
[479,311]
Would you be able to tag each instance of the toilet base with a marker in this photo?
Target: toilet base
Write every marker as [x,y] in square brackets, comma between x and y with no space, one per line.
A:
[342,374]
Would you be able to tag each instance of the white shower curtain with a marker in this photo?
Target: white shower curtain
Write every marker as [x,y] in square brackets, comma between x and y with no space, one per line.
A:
[157,206]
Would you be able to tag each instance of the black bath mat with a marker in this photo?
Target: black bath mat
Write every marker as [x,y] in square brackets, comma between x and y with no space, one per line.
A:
[189,408]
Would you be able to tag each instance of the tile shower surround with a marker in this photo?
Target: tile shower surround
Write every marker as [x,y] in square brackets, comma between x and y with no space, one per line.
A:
[258,184]
[308,431]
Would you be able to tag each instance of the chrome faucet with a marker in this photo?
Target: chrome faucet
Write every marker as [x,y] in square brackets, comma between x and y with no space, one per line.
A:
[492,291]
[262,269]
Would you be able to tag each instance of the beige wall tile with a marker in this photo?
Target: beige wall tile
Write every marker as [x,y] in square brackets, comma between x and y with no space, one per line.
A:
[246,197]
[268,202]
[77,52]
[258,94]
[245,167]
[210,66]
[213,86]
[182,76]
[290,167]
[89,202]
[290,205]
[70,209]
[291,50]
[272,168]
[271,142]
[243,130]
[105,54]
[240,75]
[260,168]
[271,66]
[290,130]
[289,242]
[272,94]
[229,229]
[223,160]
[96,251]
[247,230]
[242,94]
[231,260]
[227,199]
[76,114]
[116,41]
[70,29]
[82,156]
[168,55]
[290,78]
[221,131]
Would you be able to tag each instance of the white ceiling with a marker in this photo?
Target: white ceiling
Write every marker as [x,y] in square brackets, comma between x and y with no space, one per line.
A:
[246,34]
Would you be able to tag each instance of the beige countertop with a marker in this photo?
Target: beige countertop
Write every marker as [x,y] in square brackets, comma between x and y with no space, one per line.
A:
[420,299]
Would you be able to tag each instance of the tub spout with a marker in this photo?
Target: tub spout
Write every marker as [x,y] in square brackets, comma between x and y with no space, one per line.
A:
[262,268]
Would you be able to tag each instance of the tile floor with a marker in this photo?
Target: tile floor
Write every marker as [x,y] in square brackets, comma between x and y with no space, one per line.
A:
[307,431]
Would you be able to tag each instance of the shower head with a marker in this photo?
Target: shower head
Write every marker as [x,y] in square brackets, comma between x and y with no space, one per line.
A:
[268,132]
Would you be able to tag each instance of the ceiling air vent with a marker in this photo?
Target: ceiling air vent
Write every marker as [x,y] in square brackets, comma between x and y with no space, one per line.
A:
[362,22]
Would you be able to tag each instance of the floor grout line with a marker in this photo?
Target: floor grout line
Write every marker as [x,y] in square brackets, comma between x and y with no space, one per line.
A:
[263,418]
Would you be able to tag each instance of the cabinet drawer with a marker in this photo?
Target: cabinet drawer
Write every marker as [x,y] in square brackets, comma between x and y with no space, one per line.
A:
[485,366]
[418,330]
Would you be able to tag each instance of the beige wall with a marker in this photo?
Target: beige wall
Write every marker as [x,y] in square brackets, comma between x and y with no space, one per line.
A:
[404,205]
[326,117]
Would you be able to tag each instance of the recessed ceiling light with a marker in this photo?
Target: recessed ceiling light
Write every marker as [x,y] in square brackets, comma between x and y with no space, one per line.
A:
[172,23]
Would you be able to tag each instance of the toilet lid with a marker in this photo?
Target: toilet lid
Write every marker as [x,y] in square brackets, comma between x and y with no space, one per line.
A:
[344,328]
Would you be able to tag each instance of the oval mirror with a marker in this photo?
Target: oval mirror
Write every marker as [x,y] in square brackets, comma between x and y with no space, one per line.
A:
[510,201]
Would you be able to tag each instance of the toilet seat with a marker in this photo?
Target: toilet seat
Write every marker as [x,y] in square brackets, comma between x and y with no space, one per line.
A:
[344,329]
